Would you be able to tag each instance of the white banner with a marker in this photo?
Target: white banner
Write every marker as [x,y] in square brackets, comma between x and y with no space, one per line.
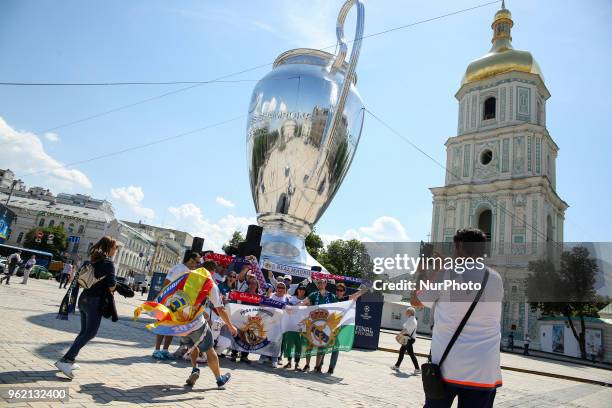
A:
[260,328]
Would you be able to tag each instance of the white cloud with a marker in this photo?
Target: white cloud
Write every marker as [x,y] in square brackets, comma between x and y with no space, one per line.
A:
[189,217]
[23,153]
[383,229]
[132,196]
[52,137]
[225,202]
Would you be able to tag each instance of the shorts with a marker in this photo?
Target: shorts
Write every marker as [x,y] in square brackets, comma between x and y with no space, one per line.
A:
[207,341]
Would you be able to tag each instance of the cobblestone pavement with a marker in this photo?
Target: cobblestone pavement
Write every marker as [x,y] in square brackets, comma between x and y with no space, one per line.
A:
[116,369]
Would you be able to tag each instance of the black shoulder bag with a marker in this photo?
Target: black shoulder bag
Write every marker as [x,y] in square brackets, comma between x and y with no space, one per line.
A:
[433,384]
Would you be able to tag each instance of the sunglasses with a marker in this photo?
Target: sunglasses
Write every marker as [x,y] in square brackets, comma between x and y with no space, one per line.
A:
[340,290]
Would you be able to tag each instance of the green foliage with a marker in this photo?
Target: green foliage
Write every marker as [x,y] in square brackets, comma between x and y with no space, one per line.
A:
[314,244]
[56,246]
[568,290]
[349,258]
[233,242]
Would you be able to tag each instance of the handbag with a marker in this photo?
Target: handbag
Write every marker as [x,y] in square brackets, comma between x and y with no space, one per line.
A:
[431,374]
[405,339]
[87,276]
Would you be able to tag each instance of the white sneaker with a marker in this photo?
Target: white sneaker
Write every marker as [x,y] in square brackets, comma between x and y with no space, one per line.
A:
[417,371]
[395,368]
[274,364]
[75,366]
[65,368]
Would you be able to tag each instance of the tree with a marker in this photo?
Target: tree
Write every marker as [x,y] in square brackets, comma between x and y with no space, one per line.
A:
[349,258]
[56,245]
[232,244]
[568,291]
[314,244]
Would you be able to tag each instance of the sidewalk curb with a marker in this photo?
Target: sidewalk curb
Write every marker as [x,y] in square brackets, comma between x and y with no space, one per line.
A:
[524,370]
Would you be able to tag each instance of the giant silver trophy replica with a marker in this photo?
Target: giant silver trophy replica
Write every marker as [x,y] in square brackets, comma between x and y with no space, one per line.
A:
[304,124]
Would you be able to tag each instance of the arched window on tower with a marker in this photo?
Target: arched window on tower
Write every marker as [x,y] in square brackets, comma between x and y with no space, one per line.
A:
[484,223]
[489,109]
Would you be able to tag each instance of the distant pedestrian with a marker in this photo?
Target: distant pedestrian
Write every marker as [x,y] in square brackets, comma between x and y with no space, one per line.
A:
[143,289]
[28,268]
[526,342]
[511,341]
[65,276]
[90,302]
[409,330]
[13,262]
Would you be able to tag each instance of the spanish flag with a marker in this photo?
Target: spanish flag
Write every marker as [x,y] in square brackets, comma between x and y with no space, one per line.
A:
[178,309]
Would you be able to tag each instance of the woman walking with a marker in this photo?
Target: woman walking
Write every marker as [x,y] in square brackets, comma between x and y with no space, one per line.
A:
[408,330]
[28,268]
[90,301]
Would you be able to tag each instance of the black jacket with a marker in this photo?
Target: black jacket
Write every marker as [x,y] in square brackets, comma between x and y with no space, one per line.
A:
[108,308]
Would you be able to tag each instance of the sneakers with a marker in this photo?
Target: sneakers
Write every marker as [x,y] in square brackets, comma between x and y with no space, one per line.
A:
[195,374]
[306,368]
[395,368]
[274,364]
[330,371]
[317,369]
[161,355]
[245,360]
[417,371]
[222,380]
[75,366]
[65,368]
[288,365]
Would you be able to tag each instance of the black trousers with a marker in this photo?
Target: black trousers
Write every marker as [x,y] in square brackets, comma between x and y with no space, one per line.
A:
[468,398]
[407,349]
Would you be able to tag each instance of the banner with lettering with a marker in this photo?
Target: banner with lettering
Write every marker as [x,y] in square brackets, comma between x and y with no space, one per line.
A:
[260,328]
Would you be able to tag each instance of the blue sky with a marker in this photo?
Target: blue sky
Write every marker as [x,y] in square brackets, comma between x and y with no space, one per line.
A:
[199,182]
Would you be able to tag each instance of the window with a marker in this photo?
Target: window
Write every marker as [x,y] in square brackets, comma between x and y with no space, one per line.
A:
[484,223]
[489,109]
[51,223]
[41,222]
[81,229]
[71,228]
[19,237]
[486,156]
[61,224]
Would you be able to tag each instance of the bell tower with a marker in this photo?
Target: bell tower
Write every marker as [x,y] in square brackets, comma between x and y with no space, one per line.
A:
[501,166]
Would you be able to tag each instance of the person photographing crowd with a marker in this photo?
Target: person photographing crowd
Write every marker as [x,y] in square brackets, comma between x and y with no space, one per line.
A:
[469,366]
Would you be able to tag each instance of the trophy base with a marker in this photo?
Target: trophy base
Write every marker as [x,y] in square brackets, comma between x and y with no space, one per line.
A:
[285,248]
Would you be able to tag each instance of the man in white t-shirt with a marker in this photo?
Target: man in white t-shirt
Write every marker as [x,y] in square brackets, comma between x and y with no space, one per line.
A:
[191,261]
[472,367]
[202,338]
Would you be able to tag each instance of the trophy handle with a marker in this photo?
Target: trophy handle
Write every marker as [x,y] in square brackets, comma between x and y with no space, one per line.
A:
[336,111]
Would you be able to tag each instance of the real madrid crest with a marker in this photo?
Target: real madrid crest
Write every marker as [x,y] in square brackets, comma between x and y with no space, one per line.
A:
[252,335]
[321,328]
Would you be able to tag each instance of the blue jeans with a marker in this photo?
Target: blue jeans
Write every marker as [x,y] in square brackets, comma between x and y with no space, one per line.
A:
[468,398]
[91,317]
[334,359]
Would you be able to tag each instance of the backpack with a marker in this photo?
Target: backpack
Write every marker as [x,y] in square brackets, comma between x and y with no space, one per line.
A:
[87,276]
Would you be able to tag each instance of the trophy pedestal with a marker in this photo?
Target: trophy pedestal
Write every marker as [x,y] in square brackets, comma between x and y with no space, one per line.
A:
[282,241]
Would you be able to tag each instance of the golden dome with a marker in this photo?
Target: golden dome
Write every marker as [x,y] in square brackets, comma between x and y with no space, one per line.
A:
[502,57]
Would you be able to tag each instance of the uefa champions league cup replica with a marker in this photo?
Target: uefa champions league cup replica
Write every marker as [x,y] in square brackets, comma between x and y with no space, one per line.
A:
[304,125]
